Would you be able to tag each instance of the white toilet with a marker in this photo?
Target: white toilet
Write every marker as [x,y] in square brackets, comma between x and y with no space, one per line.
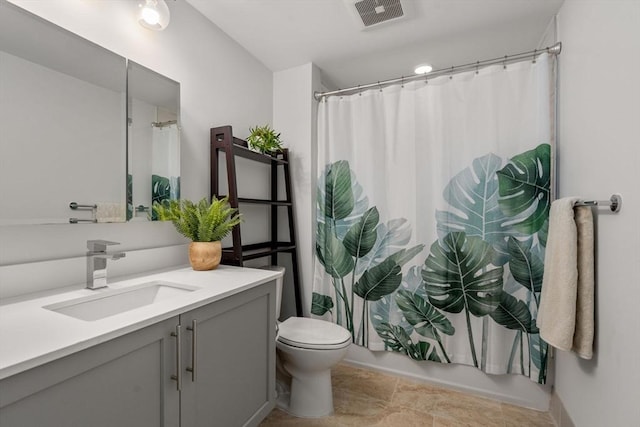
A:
[306,350]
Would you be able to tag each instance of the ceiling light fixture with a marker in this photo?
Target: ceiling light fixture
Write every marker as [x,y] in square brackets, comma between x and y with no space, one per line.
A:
[423,69]
[154,14]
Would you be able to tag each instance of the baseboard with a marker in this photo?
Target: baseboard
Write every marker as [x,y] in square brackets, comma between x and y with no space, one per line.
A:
[540,405]
[558,412]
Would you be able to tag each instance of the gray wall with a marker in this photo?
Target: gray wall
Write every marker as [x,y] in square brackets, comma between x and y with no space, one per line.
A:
[599,151]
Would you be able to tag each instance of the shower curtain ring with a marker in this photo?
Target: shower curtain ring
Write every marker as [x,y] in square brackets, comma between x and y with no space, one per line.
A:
[402,81]
[451,73]
[359,91]
[535,55]
[379,86]
[477,67]
[504,63]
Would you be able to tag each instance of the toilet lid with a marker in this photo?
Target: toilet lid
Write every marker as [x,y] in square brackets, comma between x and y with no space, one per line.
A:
[310,333]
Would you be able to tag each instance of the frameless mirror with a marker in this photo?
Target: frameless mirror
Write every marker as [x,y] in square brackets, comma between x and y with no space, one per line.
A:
[62,122]
[70,132]
[153,141]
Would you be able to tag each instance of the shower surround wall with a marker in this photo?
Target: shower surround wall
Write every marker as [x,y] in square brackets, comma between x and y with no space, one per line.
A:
[190,51]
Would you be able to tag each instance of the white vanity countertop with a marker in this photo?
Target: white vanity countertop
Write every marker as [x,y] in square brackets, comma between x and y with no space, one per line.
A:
[31,335]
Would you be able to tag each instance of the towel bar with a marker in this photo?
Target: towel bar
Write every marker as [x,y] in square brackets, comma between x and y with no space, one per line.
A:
[614,203]
[78,220]
[74,206]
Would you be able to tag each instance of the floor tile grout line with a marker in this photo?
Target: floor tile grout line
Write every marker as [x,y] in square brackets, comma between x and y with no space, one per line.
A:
[395,388]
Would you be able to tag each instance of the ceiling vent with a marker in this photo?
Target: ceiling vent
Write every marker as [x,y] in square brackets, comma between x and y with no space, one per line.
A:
[370,13]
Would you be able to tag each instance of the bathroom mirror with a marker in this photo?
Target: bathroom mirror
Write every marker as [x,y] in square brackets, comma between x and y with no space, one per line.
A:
[62,122]
[153,141]
[69,132]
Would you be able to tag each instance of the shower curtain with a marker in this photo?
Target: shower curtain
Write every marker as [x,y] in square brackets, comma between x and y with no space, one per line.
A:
[432,216]
[165,163]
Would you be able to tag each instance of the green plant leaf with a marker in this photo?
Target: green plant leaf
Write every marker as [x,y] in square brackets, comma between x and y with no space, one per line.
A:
[338,195]
[202,221]
[264,139]
[473,193]
[321,241]
[525,266]
[392,236]
[337,261]
[160,188]
[379,281]
[525,188]
[320,304]
[361,237]
[433,356]
[538,350]
[130,208]
[423,350]
[458,275]
[361,204]
[386,310]
[422,315]
[514,314]
[403,256]
[543,233]
[395,337]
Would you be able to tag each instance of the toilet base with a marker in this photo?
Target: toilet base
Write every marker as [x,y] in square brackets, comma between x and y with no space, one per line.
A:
[308,397]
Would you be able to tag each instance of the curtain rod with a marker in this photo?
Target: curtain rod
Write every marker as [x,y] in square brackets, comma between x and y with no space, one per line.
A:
[552,50]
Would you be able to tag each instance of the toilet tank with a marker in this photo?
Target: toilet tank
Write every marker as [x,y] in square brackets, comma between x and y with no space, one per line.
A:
[279,282]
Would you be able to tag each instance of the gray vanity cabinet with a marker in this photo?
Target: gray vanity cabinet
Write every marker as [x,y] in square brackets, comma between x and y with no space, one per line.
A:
[124,382]
[227,373]
[234,382]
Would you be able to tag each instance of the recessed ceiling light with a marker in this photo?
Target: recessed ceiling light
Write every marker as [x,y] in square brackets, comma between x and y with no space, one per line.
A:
[423,69]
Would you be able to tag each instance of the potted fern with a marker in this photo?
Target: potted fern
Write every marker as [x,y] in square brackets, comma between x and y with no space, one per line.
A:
[204,223]
[264,139]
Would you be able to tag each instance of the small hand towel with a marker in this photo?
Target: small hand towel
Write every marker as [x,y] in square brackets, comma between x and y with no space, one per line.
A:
[566,316]
[585,315]
[111,212]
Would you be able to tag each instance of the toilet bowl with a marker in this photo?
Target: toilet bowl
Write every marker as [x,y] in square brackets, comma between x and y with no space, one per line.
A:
[306,350]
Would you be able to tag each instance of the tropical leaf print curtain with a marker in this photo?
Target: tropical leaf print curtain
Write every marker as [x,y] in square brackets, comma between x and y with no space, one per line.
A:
[432,214]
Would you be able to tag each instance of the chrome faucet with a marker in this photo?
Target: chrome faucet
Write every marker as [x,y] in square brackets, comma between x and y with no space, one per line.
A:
[97,257]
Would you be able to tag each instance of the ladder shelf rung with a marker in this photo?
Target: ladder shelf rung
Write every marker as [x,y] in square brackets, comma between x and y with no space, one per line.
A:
[247,153]
[261,201]
[257,252]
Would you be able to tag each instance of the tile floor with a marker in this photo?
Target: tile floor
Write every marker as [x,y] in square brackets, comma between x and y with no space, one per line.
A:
[366,398]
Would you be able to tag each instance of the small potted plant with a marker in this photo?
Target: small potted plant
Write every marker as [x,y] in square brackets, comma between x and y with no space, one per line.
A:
[264,139]
[204,223]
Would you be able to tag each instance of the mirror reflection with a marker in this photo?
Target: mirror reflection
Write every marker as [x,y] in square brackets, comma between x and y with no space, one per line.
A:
[153,141]
[71,134]
[62,116]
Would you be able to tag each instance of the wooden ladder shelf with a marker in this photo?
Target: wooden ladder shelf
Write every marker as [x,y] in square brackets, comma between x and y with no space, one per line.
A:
[222,140]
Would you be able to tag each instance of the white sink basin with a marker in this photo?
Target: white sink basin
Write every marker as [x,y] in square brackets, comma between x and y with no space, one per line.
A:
[115,301]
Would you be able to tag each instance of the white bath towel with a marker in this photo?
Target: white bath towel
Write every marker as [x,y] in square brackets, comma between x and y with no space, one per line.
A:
[566,315]
[111,212]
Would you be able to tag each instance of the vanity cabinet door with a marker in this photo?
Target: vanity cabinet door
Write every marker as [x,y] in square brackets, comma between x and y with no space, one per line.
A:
[124,382]
[234,382]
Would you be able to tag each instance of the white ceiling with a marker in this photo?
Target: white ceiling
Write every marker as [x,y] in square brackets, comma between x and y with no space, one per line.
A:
[287,33]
